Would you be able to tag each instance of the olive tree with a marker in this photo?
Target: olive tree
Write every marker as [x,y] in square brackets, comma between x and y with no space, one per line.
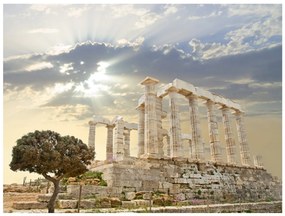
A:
[51,155]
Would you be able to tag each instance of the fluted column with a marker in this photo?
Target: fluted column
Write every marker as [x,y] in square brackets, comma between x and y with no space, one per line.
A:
[175,131]
[118,153]
[243,144]
[257,160]
[168,146]
[159,126]
[230,142]
[141,126]
[127,142]
[198,150]
[109,145]
[151,135]
[215,146]
[92,133]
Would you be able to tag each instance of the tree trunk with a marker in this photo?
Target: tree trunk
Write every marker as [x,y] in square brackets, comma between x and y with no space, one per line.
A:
[51,202]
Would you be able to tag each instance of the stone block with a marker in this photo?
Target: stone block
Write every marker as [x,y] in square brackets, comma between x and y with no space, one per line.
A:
[29,205]
[115,202]
[142,203]
[179,197]
[150,185]
[130,195]
[44,198]
[87,204]
[128,204]
[67,204]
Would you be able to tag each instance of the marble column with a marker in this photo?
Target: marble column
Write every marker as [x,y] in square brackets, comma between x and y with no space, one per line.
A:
[159,126]
[244,149]
[198,150]
[229,137]
[175,130]
[151,134]
[118,153]
[127,133]
[109,145]
[92,133]
[215,146]
[141,126]
[257,160]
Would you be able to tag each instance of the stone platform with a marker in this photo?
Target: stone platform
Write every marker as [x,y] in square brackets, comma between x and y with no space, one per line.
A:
[186,180]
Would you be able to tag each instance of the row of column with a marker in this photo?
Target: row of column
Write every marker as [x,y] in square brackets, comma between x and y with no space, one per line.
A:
[118,140]
[150,139]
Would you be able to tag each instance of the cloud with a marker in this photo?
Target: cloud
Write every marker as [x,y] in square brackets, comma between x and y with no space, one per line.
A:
[39,66]
[43,31]
[77,11]
[107,82]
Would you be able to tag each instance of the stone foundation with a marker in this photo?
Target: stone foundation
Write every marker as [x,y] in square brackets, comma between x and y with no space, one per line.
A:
[186,180]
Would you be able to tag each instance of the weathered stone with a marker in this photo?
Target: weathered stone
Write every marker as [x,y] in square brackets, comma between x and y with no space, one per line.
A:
[29,205]
[67,204]
[115,202]
[87,204]
[130,195]
[128,204]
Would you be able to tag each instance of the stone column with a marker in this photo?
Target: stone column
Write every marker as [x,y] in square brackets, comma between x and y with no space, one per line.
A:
[175,131]
[92,133]
[141,126]
[127,142]
[244,149]
[159,126]
[190,156]
[151,135]
[230,142]
[118,153]
[198,150]
[257,160]
[109,145]
[215,146]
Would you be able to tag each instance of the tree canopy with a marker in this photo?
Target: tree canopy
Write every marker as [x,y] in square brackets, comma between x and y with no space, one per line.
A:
[47,153]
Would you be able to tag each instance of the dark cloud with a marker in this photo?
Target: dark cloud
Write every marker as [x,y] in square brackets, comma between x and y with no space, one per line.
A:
[220,75]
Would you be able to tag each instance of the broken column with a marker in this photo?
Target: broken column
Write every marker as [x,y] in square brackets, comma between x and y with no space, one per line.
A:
[244,149]
[229,138]
[109,145]
[91,138]
[151,134]
[215,146]
[141,130]
[198,150]
[118,153]
[175,131]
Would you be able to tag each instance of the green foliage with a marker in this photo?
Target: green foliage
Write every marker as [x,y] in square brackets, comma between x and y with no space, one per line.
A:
[46,152]
[199,192]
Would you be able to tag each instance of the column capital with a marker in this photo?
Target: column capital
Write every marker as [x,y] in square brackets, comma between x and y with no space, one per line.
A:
[110,126]
[172,89]
[149,81]
[141,107]
[92,123]
[191,96]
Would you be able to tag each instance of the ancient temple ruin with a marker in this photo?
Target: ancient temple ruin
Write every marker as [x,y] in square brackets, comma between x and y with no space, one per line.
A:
[164,163]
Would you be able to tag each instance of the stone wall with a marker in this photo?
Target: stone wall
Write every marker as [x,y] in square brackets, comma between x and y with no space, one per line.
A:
[186,180]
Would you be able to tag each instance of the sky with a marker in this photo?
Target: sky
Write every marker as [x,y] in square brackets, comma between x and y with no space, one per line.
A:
[62,64]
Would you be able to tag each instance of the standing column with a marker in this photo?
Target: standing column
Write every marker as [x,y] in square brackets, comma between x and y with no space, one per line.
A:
[127,143]
[213,132]
[257,160]
[159,126]
[141,130]
[109,145]
[198,150]
[230,142]
[118,153]
[92,132]
[244,149]
[175,131]
[190,156]
[151,138]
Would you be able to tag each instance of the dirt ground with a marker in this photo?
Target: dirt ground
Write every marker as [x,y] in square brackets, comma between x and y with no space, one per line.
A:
[10,197]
